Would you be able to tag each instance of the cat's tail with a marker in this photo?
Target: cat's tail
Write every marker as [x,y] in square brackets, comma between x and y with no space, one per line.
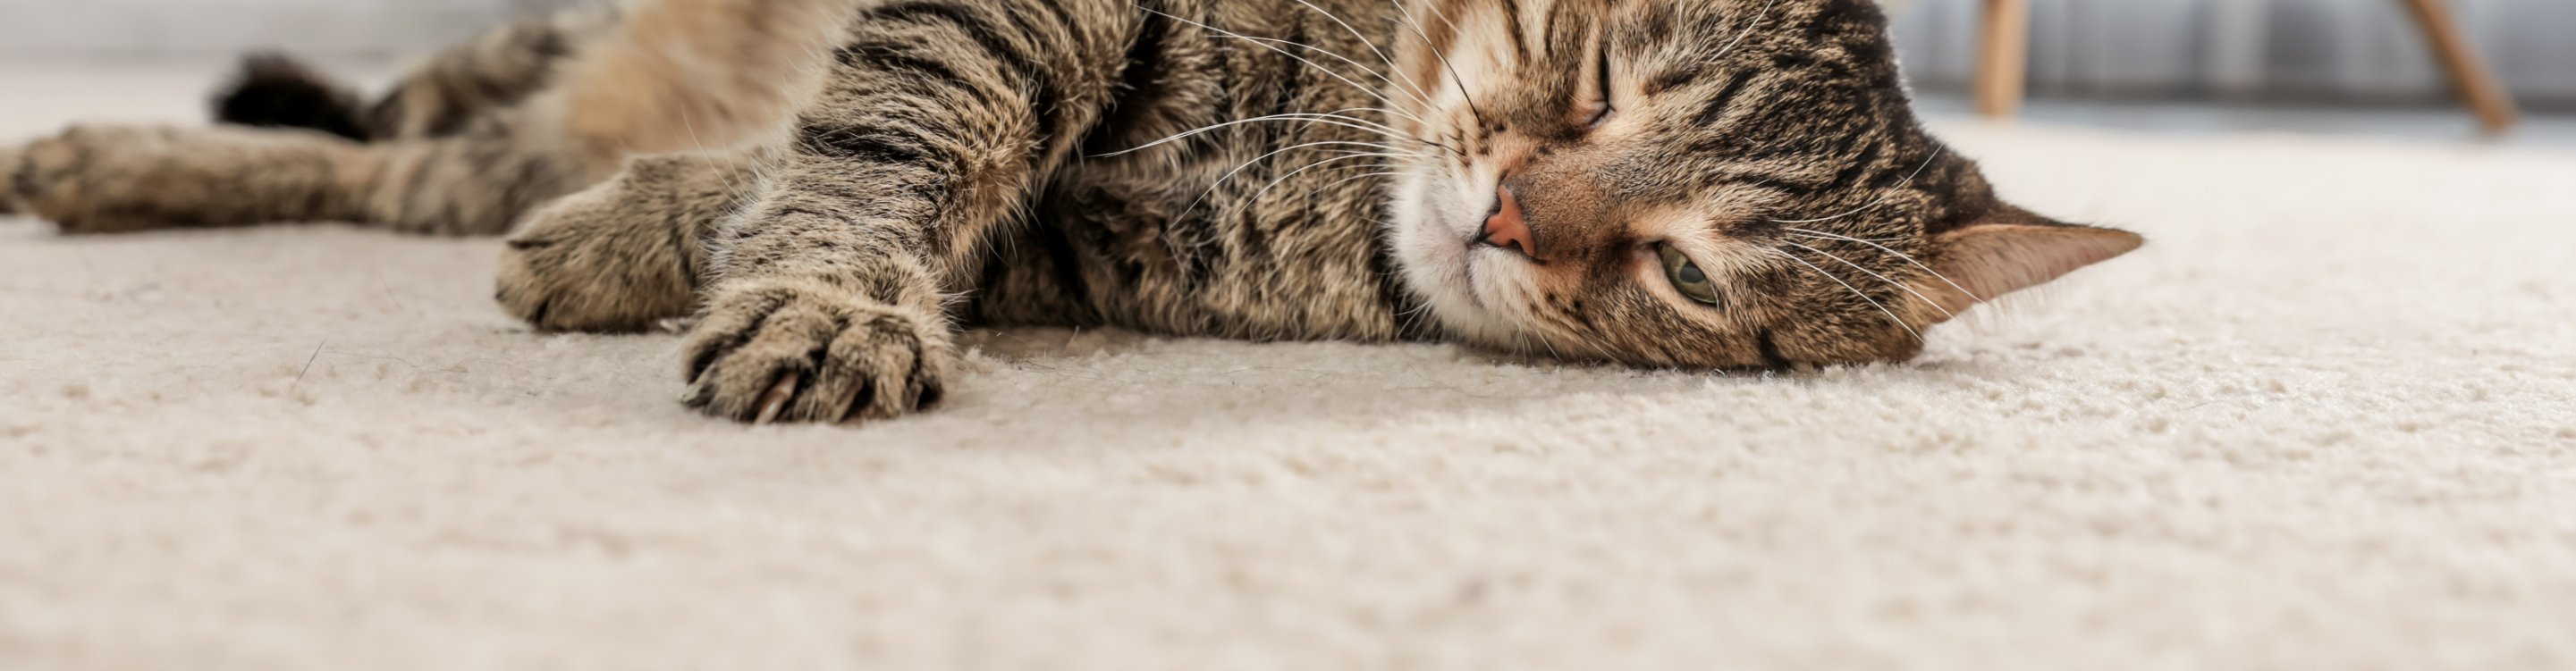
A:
[275,91]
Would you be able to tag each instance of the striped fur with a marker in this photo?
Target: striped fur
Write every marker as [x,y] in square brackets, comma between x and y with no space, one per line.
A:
[828,187]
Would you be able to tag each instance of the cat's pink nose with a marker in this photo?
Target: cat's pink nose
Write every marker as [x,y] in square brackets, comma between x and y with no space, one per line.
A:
[1506,229]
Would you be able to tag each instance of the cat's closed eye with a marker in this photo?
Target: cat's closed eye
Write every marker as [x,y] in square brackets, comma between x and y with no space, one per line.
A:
[1594,105]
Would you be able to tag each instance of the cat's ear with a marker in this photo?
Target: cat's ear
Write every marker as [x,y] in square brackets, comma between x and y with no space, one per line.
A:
[1991,259]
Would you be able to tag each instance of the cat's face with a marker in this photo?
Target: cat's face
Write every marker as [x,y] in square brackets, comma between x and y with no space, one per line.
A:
[1699,183]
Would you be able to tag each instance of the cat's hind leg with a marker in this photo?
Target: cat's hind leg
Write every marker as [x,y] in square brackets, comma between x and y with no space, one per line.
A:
[677,75]
[491,72]
[8,177]
[104,179]
[628,252]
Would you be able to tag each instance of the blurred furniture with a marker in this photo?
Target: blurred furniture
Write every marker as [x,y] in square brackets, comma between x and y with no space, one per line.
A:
[2003,56]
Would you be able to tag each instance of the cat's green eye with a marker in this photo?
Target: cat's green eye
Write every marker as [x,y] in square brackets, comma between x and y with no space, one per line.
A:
[1686,275]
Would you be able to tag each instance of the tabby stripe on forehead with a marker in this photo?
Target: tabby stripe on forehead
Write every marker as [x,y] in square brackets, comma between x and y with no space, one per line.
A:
[1567,27]
[1439,36]
[1519,34]
[1671,79]
[1717,107]
[1654,24]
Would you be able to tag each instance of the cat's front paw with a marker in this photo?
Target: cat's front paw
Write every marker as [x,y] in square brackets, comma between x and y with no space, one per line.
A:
[783,352]
[593,261]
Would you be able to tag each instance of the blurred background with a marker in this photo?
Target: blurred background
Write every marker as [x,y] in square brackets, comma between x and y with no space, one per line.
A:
[156,30]
[2320,65]
[2342,52]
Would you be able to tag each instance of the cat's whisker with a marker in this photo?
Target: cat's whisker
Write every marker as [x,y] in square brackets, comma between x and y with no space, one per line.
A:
[1370,90]
[1311,194]
[1461,82]
[1435,11]
[1882,197]
[1340,157]
[1521,343]
[1263,43]
[1891,314]
[1837,237]
[1945,279]
[1936,305]
[1384,130]
[709,157]
[1758,16]
[1568,325]
[1309,117]
[1364,39]
[1340,114]
[1550,344]
[1409,93]
[1229,174]
[1256,195]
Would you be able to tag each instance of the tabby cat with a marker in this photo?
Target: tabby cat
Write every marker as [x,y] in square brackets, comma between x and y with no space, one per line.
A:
[826,189]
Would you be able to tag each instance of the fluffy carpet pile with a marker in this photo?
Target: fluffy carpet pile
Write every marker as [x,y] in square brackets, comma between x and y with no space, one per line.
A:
[2322,421]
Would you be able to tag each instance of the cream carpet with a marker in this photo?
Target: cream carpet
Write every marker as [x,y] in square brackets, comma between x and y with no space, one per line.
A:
[2323,421]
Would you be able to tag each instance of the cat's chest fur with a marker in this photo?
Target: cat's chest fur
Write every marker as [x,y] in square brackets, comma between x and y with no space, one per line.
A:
[1252,230]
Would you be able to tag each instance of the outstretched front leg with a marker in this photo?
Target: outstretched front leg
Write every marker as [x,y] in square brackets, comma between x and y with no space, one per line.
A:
[937,117]
[626,253]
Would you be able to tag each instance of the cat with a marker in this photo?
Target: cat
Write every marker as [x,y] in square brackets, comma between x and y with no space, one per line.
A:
[827,189]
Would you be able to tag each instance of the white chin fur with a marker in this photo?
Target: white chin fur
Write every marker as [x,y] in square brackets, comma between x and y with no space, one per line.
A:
[1434,261]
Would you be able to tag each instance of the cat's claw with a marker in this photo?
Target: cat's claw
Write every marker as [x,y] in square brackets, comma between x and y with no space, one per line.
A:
[776,399]
[775,354]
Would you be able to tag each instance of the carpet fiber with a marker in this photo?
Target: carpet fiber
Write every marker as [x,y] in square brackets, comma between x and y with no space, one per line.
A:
[2322,420]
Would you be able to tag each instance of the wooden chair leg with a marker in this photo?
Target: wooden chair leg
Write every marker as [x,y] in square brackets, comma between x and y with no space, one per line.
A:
[2477,83]
[2003,58]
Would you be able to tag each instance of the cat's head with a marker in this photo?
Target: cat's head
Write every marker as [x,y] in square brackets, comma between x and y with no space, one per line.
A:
[1697,183]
